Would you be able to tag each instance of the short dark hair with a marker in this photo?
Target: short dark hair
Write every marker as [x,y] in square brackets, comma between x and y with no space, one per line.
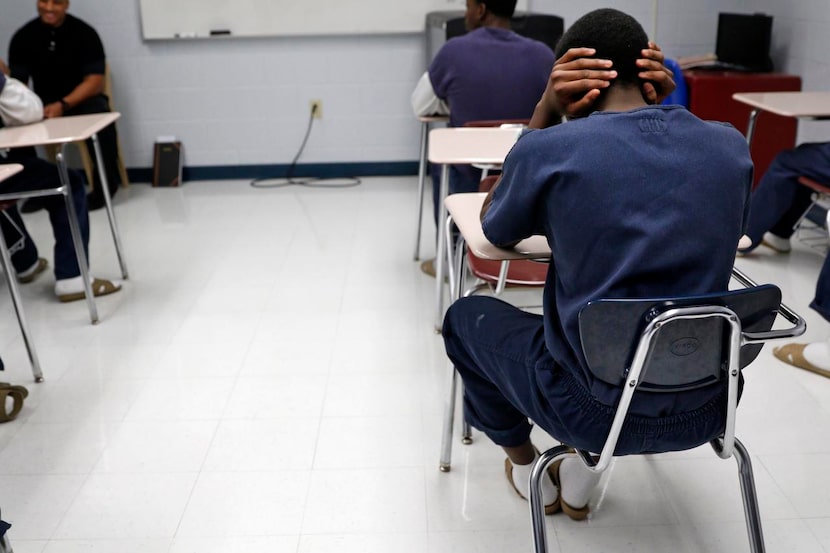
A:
[615,35]
[500,8]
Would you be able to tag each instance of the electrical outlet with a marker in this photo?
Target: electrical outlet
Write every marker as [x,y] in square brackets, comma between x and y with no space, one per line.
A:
[317,109]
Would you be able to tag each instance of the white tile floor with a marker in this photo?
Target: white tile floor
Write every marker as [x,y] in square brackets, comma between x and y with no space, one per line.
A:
[269,381]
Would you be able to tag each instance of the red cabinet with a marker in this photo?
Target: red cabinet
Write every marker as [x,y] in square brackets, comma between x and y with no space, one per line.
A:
[710,97]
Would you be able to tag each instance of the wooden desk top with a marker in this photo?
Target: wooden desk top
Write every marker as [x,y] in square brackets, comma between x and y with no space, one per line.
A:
[9,169]
[468,145]
[465,209]
[788,104]
[60,130]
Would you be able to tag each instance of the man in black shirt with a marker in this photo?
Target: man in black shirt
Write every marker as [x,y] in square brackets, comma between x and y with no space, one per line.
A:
[64,58]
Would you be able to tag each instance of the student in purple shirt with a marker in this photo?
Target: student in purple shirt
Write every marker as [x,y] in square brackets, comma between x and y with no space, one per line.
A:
[489,73]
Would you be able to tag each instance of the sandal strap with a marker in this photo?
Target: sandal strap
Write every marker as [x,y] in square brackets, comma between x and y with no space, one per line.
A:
[17,404]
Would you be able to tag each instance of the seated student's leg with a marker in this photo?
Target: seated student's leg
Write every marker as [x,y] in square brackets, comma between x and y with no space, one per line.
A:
[66,262]
[24,256]
[494,347]
[779,201]
[498,349]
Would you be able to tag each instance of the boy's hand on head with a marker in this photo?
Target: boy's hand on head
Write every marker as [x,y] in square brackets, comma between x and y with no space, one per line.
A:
[658,81]
[576,81]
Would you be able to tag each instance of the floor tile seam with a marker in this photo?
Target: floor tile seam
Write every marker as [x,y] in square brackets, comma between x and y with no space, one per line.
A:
[72,503]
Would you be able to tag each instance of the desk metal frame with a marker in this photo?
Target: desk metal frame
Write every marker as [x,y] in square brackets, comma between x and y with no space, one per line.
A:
[461,145]
[62,131]
[426,121]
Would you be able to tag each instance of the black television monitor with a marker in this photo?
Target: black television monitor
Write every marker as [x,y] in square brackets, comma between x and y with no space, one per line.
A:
[744,41]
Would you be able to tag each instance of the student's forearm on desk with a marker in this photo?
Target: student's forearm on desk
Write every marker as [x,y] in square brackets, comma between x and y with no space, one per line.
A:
[485,207]
[91,86]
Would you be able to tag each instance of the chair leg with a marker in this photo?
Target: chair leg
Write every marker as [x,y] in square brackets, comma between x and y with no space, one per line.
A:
[537,502]
[466,432]
[449,415]
[751,511]
[422,172]
[8,269]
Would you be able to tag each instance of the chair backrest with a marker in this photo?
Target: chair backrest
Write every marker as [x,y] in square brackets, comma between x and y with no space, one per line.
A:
[687,354]
[675,345]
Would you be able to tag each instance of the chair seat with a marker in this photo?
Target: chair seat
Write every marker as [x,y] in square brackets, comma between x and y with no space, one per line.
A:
[814,185]
[519,273]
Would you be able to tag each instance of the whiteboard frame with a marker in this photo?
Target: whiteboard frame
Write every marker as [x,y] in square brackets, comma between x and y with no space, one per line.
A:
[197,19]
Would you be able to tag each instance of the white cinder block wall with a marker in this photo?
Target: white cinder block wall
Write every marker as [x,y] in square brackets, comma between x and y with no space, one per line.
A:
[245,101]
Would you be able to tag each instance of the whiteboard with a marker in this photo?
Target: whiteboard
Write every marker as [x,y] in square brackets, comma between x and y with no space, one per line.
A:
[166,19]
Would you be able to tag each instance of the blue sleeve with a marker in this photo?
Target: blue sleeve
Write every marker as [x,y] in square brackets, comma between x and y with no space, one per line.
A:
[518,201]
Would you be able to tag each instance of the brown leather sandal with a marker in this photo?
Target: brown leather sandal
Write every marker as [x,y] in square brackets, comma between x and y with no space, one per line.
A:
[17,395]
[793,354]
[553,470]
[100,287]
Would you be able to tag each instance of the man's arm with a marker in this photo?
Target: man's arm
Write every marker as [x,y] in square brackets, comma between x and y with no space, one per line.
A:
[91,86]
[425,101]
[485,207]
[18,104]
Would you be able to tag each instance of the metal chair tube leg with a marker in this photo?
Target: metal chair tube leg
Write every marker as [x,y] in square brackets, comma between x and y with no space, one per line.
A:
[422,172]
[449,415]
[8,269]
[77,240]
[750,127]
[537,502]
[466,429]
[441,247]
[116,237]
[750,498]
[452,260]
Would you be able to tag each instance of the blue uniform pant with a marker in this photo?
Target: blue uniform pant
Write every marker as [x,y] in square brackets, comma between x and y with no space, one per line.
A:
[779,201]
[39,174]
[510,376]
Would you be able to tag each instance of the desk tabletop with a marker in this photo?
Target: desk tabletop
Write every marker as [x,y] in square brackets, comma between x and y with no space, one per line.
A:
[465,209]
[9,169]
[788,104]
[59,130]
[467,145]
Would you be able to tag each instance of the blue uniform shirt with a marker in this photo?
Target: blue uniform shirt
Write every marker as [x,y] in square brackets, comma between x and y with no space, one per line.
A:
[645,203]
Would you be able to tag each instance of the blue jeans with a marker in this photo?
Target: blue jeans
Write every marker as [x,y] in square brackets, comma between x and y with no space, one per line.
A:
[779,201]
[39,174]
[821,302]
[510,376]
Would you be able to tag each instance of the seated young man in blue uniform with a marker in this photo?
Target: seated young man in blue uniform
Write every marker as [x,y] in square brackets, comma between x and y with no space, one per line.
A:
[624,194]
